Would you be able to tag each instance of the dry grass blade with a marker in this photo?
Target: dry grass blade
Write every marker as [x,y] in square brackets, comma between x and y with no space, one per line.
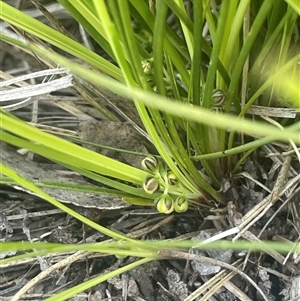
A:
[237,292]
[55,130]
[296,192]
[146,230]
[277,256]
[259,210]
[273,112]
[215,283]
[251,237]
[47,272]
[20,81]
[187,256]
[33,91]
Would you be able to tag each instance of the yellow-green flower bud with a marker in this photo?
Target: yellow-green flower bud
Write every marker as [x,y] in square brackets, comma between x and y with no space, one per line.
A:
[150,185]
[164,204]
[146,67]
[181,204]
[150,164]
[172,179]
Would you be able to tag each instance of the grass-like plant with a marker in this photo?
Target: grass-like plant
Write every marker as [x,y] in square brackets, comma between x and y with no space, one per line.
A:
[192,82]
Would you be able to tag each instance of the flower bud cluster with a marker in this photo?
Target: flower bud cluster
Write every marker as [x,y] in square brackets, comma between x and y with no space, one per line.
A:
[161,178]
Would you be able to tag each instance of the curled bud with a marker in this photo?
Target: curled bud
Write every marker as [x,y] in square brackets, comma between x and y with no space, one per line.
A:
[181,204]
[150,185]
[218,97]
[164,204]
[172,179]
[150,164]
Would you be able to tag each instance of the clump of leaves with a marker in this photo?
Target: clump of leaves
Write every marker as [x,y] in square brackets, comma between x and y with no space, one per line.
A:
[206,57]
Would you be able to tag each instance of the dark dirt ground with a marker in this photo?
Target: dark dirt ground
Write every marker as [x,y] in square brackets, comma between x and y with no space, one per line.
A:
[25,217]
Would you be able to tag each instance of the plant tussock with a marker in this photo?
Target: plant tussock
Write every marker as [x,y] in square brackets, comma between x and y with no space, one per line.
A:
[118,111]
